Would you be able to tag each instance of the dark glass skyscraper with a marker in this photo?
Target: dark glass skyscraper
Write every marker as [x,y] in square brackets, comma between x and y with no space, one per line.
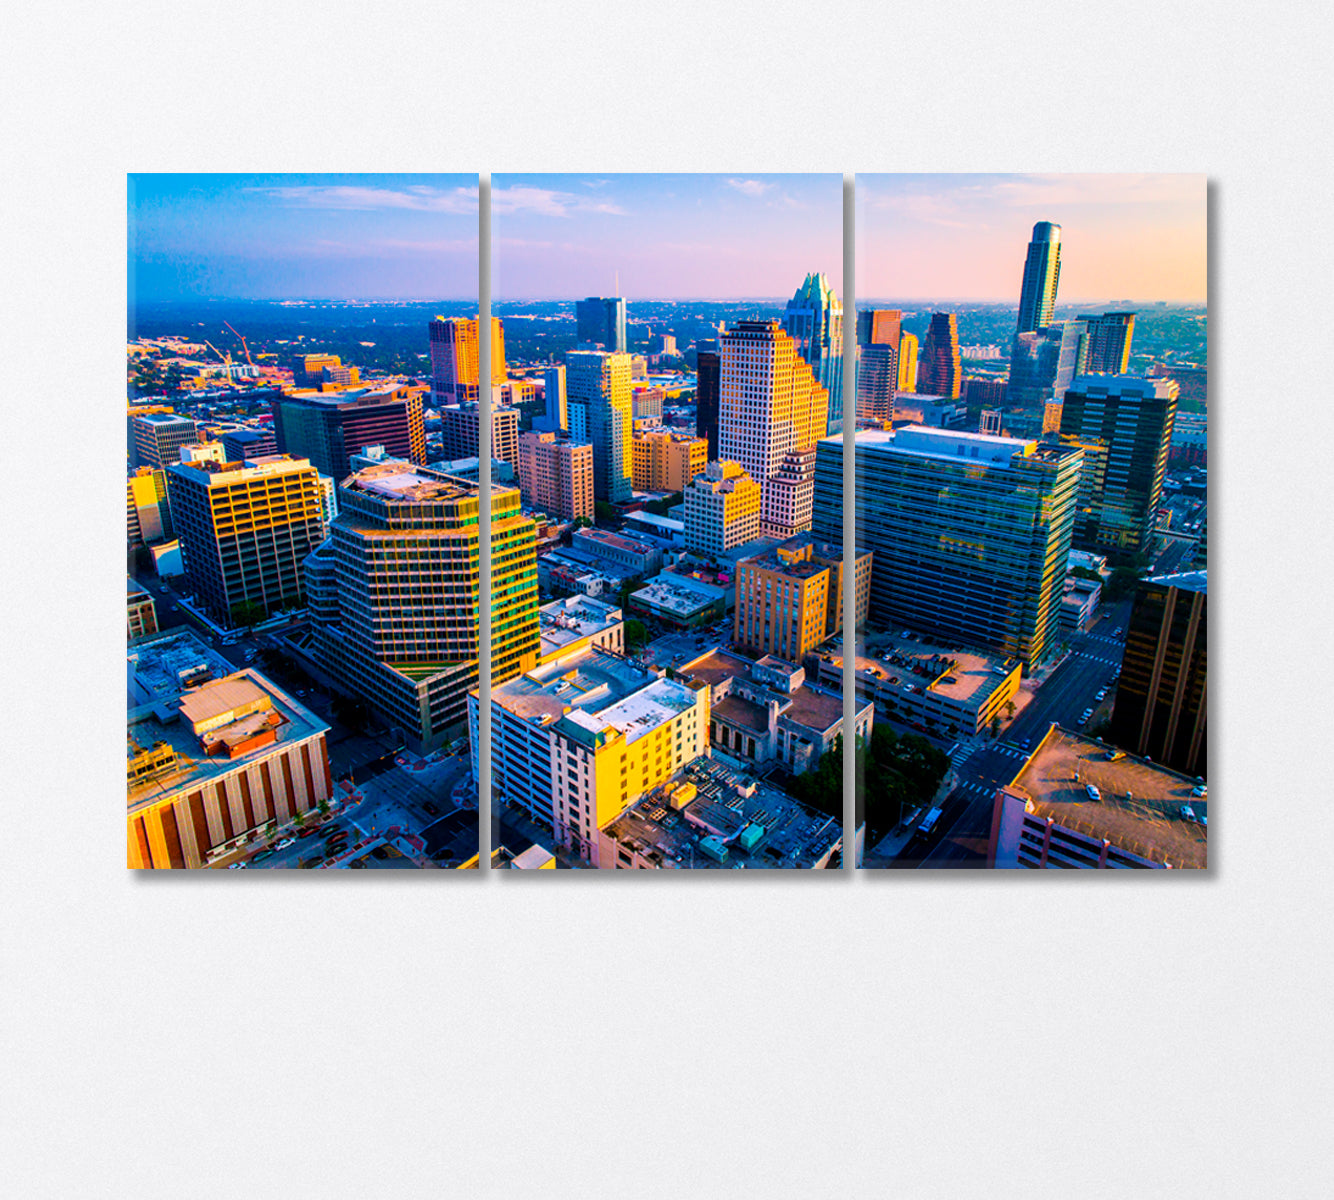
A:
[1133,418]
[1161,699]
[706,397]
[1042,272]
[601,321]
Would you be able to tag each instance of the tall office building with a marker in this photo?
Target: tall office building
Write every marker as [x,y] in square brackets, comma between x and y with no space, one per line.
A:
[770,403]
[1042,274]
[308,369]
[790,599]
[789,496]
[1133,418]
[907,362]
[147,511]
[557,409]
[395,596]
[245,531]
[456,359]
[877,382]
[242,444]
[159,436]
[814,320]
[1162,697]
[329,427]
[556,474]
[971,533]
[1109,338]
[460,432]
[1044,362]
[939,370]
[706,397]
[600,381]
[601,322]
[666,460]
[722,509]
[879,327]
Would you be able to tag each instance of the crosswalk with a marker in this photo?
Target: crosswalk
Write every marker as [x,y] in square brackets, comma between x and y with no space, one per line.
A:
[1100,658]
[961,753]
[977,789]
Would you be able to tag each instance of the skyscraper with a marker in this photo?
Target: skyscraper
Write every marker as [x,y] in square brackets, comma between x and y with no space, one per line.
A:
[329,428]
[907,362]
[939,371]
[1043,362]
[1109,337]
[245,532]
[394,596]
[770,403]
[878,335]
[556,474]
[814,319]
[722,509]
[601,322]
[455,359]
[600,381]
[557,410]
[706,398]
[1042,273]
[159,436]
[1162,695]
[1133,418]
[970,533]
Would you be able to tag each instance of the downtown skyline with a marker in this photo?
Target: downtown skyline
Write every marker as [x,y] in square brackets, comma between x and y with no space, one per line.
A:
[961,238]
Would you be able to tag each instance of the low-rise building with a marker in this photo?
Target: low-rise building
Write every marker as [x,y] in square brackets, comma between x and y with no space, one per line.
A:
[941,688]
[1077,804]
[214,756]
[141,615]
[578,623]
[1079,603]
[679,602]
[631,555]
[765,711]
[711,816]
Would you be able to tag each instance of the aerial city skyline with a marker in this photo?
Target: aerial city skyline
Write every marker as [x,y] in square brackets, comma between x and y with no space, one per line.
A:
[667,593]
[1030,481]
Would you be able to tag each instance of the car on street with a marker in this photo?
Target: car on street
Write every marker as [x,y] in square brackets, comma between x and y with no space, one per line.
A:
[1101,696]
[431,808]
[1187,813]
[1199,789]
[1093,793]
[287,841]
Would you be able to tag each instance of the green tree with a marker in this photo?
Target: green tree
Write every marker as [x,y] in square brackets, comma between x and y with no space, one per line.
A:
[636,634]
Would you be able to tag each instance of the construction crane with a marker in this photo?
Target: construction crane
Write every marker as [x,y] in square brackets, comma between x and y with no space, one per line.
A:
[226,358]
[244,347]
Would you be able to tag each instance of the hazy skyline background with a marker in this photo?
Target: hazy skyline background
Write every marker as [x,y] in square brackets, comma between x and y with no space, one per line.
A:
[669,236]
[964,237]
[404,237]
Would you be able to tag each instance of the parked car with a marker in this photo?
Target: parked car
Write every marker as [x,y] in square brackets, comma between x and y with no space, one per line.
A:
[1200,789]
[431,808]
[287,841]
[1093,793]
[1187,813]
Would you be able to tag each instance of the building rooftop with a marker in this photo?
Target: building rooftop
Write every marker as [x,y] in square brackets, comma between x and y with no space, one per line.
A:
[679,595]
[402,481]
[899,662]
[563,622]
[1140,809]
[639,713]
[952,444]
[177,686]
[593,679]
[758,825]
[1192,581]
[617,541]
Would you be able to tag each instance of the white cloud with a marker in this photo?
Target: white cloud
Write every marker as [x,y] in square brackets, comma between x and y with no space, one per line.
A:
[547,202]
[417,197]
[750,187]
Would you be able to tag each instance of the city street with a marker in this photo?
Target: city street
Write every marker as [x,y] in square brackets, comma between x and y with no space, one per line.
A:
[960,836]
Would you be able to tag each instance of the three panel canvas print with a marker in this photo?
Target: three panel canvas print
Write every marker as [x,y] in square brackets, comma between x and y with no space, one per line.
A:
[684,642]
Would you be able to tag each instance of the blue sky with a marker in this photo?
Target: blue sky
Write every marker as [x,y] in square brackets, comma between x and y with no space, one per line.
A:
[668,236]
[297,236]
[964,237]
